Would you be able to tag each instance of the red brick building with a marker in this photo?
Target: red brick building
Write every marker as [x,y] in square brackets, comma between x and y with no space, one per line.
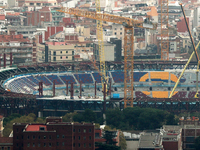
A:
[37,18]
[56,135]
[6,143]
[181,26]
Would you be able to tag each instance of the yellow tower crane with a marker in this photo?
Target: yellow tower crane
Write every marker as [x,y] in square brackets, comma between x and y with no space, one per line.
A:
[129,25]
[99,34]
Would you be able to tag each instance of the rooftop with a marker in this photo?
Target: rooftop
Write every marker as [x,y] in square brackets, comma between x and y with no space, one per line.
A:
[36,127]
[150,140]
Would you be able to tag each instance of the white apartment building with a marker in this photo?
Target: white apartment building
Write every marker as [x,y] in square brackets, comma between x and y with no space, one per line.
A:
[196,20]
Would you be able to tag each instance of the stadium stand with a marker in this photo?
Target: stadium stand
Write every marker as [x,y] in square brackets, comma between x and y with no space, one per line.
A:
[97,77]
[118,76]
[43,79]
[54,77]
[84,78]
[68,78]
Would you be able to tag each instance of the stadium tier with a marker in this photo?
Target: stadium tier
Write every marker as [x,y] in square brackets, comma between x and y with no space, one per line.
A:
[147,84]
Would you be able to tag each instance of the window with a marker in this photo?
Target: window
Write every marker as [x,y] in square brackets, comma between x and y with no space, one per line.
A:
[44,137]
[49,136]
[79,130]
[22,137]
[60,57]
[38,137]
[90,137]
[120,33]
[63,143]
[84,145]
[38,144]
[44,144]
[33,137]
[33,144]
[84,137]
[2,148]
[74,130]
[8,148]
[84,130]
[74,137]
[74,145]
[120,28]
[90,130]
[115,33]
[57,136]
[27,137]
[79,137]
[115,28]
[79,145]
[17,137]
[54,58]
[63,136]
[28,145]
[66,51]
[57,143]
[54,53]
[90,145]
[49,144]
[61,52]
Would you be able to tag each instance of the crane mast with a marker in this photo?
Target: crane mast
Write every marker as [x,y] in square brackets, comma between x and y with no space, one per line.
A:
[164,16]
[129,25]
[99,35]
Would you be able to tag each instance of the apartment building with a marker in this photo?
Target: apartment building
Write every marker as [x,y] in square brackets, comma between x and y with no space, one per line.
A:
[21,49]
[40,2]
[55,52]
[54,135]
[57,17]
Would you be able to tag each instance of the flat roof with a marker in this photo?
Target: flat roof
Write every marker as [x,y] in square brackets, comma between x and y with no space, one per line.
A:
[150,140]
[35,127]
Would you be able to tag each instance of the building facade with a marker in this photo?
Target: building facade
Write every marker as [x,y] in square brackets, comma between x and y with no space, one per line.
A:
[55,51]
[54,136]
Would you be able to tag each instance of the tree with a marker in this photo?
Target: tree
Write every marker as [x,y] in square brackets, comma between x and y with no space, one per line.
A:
[102,146]
[114,117]
[109,136]
[69,117]
[197,143]
[31,118]
[122,141]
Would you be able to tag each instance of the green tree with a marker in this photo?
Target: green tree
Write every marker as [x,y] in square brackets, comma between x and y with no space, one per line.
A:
[122,141]
[197,143]
[114,117]
[87,116]
[69,117]
[102,146]
[31,118]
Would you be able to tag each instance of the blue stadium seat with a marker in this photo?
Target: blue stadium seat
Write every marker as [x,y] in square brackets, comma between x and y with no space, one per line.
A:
[54,77]
[84,78]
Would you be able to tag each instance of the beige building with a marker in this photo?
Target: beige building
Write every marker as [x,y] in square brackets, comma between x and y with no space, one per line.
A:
[118,31]
[56,52]
[82,31]
[40,2]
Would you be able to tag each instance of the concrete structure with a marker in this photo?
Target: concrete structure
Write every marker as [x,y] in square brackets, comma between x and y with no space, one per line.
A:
[109,51]
[54,135]
[55,51]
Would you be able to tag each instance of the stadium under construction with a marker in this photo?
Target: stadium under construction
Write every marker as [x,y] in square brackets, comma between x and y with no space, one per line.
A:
[57,88]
